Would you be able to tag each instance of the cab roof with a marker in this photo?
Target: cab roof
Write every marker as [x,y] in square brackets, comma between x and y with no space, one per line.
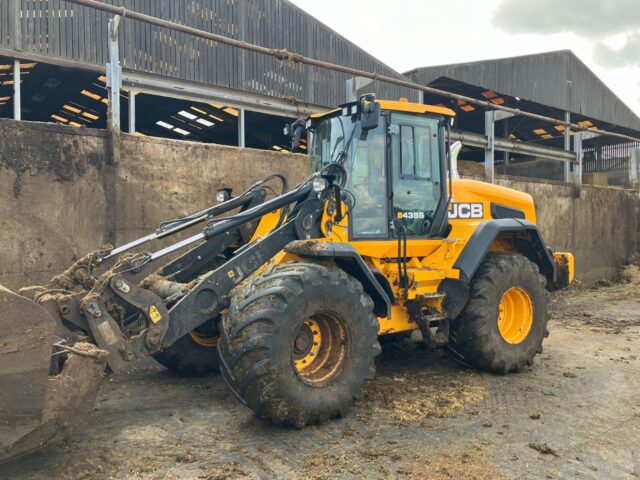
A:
[401,106]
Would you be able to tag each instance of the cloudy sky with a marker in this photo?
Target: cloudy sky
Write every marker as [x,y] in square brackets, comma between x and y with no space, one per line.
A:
[405,34]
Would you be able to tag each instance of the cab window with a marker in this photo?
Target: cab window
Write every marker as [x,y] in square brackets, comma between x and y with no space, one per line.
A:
[415,152]
[367,181]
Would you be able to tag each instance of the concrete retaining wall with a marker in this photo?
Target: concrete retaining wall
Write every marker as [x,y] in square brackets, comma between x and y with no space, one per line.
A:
[62,195]
[601,227]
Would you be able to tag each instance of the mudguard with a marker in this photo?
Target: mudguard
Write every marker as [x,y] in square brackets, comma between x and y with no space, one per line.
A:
[531,245]
[348,259]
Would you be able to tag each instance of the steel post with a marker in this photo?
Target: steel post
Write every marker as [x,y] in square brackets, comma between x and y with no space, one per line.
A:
[507,158]
[633,168]
[489,151]
[114,73]
[577,168]
[352,94]
[567,145]
[17,101]
[132,111]
[241,129]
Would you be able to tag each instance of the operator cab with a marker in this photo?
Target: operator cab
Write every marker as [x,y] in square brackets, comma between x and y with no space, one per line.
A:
[395,161]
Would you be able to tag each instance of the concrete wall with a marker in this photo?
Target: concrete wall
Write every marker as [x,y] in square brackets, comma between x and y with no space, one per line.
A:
[158,179]
[601,227]
[62,195]
[52,199]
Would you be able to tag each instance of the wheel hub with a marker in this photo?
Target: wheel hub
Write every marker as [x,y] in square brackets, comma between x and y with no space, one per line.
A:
[306,344]
[515,315]
[318,349]
[303,341]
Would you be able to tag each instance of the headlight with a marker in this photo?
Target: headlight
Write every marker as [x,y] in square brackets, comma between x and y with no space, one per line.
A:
[320,184]
[223,195]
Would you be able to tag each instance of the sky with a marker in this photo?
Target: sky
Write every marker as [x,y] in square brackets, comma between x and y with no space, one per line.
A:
[406,34]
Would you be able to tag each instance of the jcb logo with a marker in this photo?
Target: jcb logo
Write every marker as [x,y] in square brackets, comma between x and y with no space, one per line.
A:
[466,210]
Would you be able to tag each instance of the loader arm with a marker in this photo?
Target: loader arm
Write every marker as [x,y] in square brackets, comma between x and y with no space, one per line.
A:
[166,318]
[132,309]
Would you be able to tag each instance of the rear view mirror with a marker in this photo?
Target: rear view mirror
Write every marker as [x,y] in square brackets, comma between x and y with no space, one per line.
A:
[369,112]
[295,132]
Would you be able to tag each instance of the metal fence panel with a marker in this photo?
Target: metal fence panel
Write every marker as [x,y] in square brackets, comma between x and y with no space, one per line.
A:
[612,159]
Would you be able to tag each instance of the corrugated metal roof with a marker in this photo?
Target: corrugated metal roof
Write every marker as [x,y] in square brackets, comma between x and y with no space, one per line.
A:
[70,32]
[555,79]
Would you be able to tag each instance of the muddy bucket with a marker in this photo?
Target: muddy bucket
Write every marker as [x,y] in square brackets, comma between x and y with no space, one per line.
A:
[36,408]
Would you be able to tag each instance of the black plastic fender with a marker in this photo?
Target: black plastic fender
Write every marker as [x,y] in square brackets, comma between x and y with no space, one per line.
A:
[531,245]
[348,259]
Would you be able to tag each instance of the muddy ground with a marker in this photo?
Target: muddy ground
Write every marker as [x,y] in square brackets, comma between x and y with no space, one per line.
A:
[574,414]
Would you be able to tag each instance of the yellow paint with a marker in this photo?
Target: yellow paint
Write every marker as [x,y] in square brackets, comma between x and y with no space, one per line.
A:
[267,223]
[401,106]
[563,258]
[398,322]
[154,314]
[398,106]
[429,261]
[304,362]
[515,315]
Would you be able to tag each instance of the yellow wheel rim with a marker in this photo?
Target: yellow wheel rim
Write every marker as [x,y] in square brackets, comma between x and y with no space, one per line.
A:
[319,348]
[204,340]
[515,315]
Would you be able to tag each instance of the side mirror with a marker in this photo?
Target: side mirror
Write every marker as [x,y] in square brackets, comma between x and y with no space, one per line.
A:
[295,132]
[369,112]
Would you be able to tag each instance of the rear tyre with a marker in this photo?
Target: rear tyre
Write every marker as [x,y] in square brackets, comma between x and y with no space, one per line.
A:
[298,342]
[502,327]
[195,354]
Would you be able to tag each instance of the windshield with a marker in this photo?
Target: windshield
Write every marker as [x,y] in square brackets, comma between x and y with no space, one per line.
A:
[362,154]
[330,138]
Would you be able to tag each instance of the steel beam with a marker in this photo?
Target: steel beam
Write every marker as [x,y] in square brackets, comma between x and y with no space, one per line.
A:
[17,89]
[285,55]
[198,92]
[478,140]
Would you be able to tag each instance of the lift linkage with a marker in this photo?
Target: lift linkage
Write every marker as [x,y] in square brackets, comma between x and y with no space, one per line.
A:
[132,312]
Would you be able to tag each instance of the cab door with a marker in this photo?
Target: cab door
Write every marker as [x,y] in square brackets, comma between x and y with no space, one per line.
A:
[416,173]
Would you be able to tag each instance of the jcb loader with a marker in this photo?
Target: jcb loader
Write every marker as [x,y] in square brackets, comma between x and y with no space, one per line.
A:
[287,296]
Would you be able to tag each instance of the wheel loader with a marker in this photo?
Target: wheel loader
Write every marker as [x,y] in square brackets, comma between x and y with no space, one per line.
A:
[287,294]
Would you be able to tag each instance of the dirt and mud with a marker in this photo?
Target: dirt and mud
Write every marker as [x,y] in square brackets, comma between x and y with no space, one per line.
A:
[574,414]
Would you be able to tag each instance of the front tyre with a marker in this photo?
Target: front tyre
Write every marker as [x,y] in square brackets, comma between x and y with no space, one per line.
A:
[502,327]
[193,355]
[298,342]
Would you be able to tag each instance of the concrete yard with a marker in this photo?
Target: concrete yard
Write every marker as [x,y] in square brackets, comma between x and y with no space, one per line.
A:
[575,414]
